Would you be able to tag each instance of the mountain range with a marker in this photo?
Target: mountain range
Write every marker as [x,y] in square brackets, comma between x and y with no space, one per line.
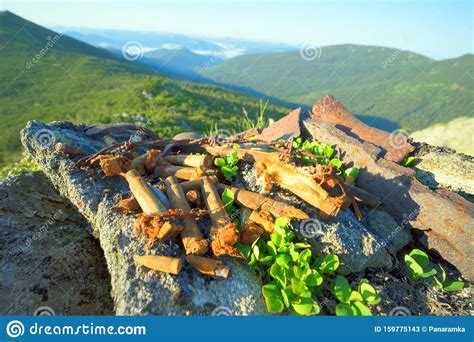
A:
[390,88]
[387,88]
[48,76]
[219,47]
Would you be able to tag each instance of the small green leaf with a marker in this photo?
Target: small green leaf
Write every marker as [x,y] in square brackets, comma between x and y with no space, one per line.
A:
[297,142]
[343,309]
[271,248]
[454,286]
[301,245]
[299,272]
[294,254]
[438,283]
[336,162]
[266,260]
[413,266]
[305,256]
[234,158]
[342,289]
[408,161]
[227,169]
[270,290]
[420,257]
[429,273]
[245,250]
[443,273]
[219,162]
[278,273]
[283,260]
[284,296]
[277,239]
[362,310]
[328,150]
[253,260]
[314,279]
[329,264]
[281,222]
[227,198]
[355,297]
[352,172]
[274,305]
[256,251]
[305,307]
[369,294]
[298,286]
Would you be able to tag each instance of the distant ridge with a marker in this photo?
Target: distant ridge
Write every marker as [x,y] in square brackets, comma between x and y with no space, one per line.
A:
[47,76]
[407,89]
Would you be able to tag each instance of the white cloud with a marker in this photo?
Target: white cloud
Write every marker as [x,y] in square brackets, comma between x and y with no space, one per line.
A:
[226,54]
[170,46]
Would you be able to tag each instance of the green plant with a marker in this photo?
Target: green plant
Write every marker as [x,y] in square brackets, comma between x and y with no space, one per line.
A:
[351,174]
[289,266]
[444,284]
[260,120]
[352,302]
[323,153]
[228,201]
[26,164]
[408,161]
[418,264]
[228,164]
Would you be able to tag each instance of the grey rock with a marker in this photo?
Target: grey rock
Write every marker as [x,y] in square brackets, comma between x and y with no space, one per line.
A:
[136,290]
[440,169]
[394,236]
[455,134]
[48,256]
[357,246]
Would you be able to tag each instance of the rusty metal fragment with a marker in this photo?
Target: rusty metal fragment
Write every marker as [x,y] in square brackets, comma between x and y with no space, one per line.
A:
[394,147]
[446,217]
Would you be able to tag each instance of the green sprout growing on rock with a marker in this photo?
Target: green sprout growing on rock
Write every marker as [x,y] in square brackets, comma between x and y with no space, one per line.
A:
[296,277]
[354,302]
[418,264]
[228,164]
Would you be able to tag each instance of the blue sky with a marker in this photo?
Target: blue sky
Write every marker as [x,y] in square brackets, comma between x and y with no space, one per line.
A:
[438,29]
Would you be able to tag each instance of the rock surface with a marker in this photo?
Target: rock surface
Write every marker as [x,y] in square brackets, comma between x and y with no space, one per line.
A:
[48,256]
[445,169]
[359,245]
[456,134]
[444,216]
[136,290]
